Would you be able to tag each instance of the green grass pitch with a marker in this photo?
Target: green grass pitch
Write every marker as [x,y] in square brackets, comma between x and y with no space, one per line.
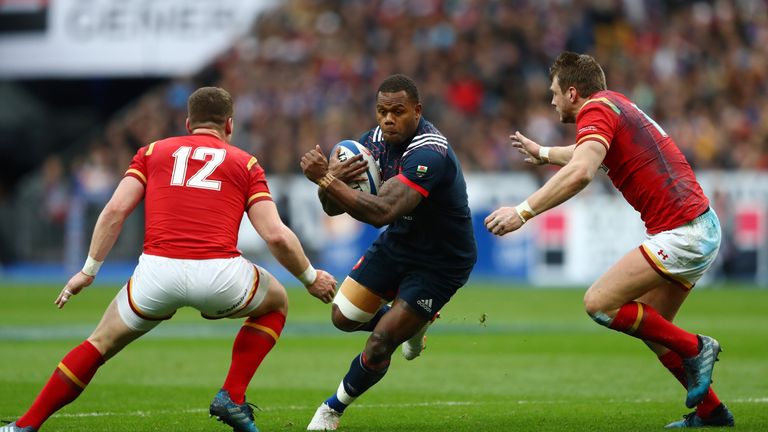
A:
[500,359]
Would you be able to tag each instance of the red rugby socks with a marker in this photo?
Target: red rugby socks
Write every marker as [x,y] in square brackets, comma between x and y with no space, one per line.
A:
[67,382]
[254,341]
[643,322]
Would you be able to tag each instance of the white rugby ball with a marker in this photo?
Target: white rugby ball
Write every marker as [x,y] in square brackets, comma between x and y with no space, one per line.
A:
[350,148]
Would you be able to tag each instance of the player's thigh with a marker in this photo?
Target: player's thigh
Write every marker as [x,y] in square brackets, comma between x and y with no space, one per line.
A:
[630,278]
[373,281]
[666,299]
[356,302]
[276,299]
[227,288]
[153,293]
[112,334]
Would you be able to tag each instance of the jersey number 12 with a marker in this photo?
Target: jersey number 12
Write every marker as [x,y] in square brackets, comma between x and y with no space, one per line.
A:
[200,178]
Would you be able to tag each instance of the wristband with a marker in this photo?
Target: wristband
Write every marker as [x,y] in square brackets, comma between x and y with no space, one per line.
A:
[309,276]
[326,180]
[525,211]
[91,267]
[544,153]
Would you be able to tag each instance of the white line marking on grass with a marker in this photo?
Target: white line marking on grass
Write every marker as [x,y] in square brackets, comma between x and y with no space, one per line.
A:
[759,400]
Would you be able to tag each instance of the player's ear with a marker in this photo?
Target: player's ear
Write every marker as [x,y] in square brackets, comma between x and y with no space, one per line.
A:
[230,126]
[186,123]
[417,109]
[573,94]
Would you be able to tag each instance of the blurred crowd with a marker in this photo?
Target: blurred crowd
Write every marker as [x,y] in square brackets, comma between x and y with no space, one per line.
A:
[308,71]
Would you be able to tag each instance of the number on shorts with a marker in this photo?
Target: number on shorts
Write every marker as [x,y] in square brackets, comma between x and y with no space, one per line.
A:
[200,178]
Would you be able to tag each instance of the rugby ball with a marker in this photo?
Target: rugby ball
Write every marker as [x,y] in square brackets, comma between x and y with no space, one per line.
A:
[350,148]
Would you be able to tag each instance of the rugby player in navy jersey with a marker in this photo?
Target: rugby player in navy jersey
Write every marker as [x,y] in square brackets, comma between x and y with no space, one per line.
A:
[422,258]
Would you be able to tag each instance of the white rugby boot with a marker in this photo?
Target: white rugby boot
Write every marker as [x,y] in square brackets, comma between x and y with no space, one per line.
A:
[414,346]
[325,419]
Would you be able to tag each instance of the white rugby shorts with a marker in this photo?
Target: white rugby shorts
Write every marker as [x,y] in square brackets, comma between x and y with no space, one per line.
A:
[218,288]
[682,255]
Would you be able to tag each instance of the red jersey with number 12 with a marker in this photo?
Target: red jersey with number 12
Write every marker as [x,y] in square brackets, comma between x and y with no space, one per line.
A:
[197,188]
[643,162]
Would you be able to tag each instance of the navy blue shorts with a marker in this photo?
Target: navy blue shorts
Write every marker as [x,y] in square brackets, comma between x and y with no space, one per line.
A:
[425,290]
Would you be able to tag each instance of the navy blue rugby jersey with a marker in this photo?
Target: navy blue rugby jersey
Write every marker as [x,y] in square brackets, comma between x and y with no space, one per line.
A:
[438,232]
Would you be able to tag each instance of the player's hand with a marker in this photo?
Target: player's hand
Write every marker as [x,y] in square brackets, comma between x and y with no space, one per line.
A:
[348,171]
[503,220]
[76,284]
[314,164]
[324,287]
[527,147]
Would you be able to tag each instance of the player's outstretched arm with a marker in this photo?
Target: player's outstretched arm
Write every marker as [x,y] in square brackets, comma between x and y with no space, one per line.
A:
[286,248]
[537,154]
[127,196]
[394,199]
[567,182]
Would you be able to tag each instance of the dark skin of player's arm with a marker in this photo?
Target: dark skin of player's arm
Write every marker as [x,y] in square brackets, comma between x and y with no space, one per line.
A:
[352,169]
[395,198]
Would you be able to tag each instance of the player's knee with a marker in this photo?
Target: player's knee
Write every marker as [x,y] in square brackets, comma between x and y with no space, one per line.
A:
[379,347]
[341,322]
[596,309]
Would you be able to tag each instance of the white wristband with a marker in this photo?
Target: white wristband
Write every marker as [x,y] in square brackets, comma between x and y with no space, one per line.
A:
[91,266]
[309,276]
[525,211]
[544,153]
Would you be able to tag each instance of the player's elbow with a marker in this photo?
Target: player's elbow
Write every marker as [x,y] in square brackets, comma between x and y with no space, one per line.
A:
[581,176]
[116,211]
[381,219]
[277,238]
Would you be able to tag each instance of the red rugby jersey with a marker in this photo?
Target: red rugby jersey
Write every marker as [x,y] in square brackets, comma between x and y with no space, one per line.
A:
[196,190]
[643,162]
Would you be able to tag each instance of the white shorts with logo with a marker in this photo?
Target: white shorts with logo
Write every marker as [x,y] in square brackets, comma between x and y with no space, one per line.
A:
[218,288]
[682,255]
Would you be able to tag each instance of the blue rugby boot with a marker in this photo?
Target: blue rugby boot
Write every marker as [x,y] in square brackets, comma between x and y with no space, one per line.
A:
[11,427]
[720,417]
[240,417]
[698,370]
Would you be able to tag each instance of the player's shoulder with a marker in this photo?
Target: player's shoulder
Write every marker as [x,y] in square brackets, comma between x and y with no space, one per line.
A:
[604,102]
[428,139]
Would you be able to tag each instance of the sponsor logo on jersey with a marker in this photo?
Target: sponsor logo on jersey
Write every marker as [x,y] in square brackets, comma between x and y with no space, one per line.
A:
[589,128]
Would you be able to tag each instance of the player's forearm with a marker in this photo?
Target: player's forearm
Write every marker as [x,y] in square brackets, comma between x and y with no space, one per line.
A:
[561,155]
[364,207]
[329,206]
[105,233]
[287,250]
[566,183]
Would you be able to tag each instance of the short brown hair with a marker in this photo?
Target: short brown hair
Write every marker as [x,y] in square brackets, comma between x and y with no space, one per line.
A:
[581,71]
[209,107]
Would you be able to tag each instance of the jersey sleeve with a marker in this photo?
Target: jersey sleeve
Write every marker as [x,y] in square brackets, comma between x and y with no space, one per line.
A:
[138,167]
[597,121]
[422,169]
[258,189]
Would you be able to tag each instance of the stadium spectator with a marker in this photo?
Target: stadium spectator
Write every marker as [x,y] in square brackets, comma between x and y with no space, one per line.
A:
[197,188]
[423,257]
[640,294]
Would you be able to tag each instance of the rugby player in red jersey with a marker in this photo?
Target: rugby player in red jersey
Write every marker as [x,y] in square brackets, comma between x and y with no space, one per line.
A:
[641,294]
[196,189]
